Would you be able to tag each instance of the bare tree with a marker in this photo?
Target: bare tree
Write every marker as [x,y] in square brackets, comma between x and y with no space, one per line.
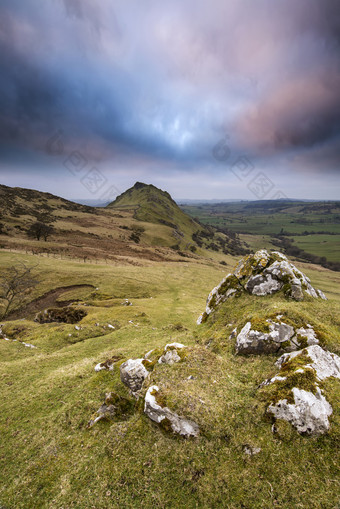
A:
[38,230]
[15,284]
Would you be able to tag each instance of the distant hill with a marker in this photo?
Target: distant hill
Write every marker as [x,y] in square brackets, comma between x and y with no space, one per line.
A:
[150,204]
[143,222]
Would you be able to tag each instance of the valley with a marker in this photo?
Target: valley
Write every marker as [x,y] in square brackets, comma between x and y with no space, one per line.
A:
[130,298]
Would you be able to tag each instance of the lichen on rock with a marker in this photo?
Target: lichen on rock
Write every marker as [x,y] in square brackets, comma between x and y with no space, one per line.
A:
[132,374]
[260,274]
[273,335]
[154,408]
[296,393]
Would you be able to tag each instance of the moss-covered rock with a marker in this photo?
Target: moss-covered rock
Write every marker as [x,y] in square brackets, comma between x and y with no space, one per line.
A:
[115,407]
[273,335]
[155,408]
[261,274]
[296,393]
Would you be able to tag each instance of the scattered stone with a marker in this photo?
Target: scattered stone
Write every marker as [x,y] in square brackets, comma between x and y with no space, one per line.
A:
[233,333]
[173,352]
[250,450]
[108,364]
[2,335]
[66,314]
[132,374]
[170,421]
[126,302]
[113,406]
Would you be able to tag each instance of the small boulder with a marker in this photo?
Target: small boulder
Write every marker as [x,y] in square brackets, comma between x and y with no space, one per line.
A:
[325,364]
[132,374]
[154,408]
[308,414]
[173,352]
[114,406]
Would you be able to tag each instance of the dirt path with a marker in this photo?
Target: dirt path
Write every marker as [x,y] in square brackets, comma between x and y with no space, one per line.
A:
[49,299]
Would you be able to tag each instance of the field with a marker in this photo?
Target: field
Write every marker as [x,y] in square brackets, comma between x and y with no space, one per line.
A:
[50,459]
[313,227]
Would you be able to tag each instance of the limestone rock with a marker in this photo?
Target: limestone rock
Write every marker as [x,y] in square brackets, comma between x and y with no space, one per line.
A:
[113,406]
[308,414]
[304,405]
[108,364]
[278,336]
[260,274]
[173,352]
[325,364]
[228,287]
[165,417]
[132,374]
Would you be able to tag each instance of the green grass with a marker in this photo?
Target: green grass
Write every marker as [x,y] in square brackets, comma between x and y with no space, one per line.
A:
[314,227]
[320,245]
[49,459]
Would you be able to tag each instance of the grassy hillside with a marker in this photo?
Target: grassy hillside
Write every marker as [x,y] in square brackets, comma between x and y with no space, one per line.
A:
[49,458]
[145,223]
[153,205]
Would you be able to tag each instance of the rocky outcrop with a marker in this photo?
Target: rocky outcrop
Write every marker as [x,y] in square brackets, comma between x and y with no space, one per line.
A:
[271,336]
[66,314]
[295,394]
[155,409]
[261,274]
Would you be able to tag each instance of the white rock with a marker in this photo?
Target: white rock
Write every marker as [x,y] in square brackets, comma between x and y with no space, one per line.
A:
[308,333]
[308,414]
[157,413]
[132,374]
[265,286]
[251,341]
[324,363]
[170,355]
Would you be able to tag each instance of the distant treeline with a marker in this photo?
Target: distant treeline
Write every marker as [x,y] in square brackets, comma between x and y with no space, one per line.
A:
[285,244]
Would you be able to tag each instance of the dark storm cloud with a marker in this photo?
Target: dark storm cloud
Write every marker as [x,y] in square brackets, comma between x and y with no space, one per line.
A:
[133,83]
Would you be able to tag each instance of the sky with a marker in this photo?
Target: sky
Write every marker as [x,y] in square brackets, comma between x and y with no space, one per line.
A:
[226,99]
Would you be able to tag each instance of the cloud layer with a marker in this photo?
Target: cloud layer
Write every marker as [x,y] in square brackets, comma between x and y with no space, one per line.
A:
[151,87]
